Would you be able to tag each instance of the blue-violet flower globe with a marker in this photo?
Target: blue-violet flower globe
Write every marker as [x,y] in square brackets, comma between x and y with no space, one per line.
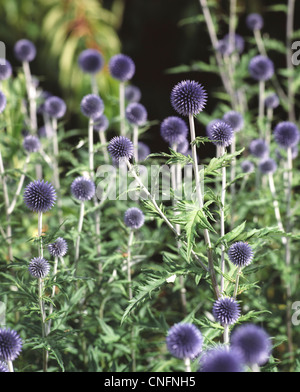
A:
[31,143]
[234,119]
[174,130]
[221,134]
[259,148]
[55,107]
[39,196]
[92,106]
[267,166]
[286,134]
[39,267]
[136,113]
[90,61]
[2,101]
[5,69]
[101,123]
[226,310]
[83,189]
[221,360]
[240,254]
[121,67]
[261,68]
[24,50]
[120,148]
[188,97]
[134,218]
[58,248]
[133,93]
[254,21]
[10,344]
[184,340]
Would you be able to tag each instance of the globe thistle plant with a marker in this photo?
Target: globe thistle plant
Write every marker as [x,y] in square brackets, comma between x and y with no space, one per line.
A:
[174,130]
[58,248]
[247,166]
[286,134]
[143,151]
[234,119]
[25,50]
[55,107]
[259,148]
[101,123]
[254,21]
[10,346]
[188,98]
[121,67]
[3,367]
[221,134]
[261,68]
[39,196]
[272,101]
[31,143]
[267,166]
[136,114]
[92,106]
[2,101]
[90,61]
[133,93]
[253,343]
[226,310]
[5,69]
[184,341]
[221,360]
[240,254]
[120,148]
[134,218]
[39,267]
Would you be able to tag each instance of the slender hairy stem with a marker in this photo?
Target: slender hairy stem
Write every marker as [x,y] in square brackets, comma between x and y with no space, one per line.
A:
[226,334]
[77,246]
[222,220]
[261,105]
[103,141]
[135,141]
[187,364]
[91,147]
[269,125]
[94,85]
[129,257]
[40,229]
[276,205]
[56,168]
[122,108]
[289,36]
[236,287]
[10,366]
[6,203]
[52,294]
[259,42]
[31,94]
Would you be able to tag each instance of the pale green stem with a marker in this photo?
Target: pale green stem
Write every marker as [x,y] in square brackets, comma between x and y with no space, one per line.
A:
[290,67]
[261,104]
[226,334]
[53,293]
[103,141]
[31,94]
[187,364]
[222,220]
[91,147]
[6,203]
[77,246]
[122,108]
[236,287]
[276,205]
[55,168]
[94,84]
[135,141]
[10,366]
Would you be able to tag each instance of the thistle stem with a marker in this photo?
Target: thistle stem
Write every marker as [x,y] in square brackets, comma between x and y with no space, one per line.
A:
[187,364]
[261,104]
[91,147]
[122,108]
[289,36]
[6,203]
[55,168]
[222,220]
[31,94]
[10,366]
[94,85]
[53,293]
[103,141]
[135,141]
[236,287]
[226,334]
[129,257]
[276,205]
[77,246]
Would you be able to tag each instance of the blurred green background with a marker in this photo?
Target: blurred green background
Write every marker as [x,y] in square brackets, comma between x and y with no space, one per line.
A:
[157,34]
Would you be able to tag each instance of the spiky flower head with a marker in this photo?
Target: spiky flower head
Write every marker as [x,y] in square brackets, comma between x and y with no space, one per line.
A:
[101,123]
[5,69]
[247,166]
[3,367]
[188,97]
[254,21]
[24,50]
[261,68]
[253,342]
[136,113]
[221,360]
[174,130]
[134,218]
[184,340]
[90,61]
[259,148]
[39,196]
[58,248]
[121,67]
[92,106]
[267,166]
[55,107]
[120,148]
[210,125]
[2,101]
[234,119]
[286,134]
[272,101]
[31,143]
[221,134]
[143,151]
[39,267]
[10,344]
[132,93]
[226,310]
[83,188]
[240,254]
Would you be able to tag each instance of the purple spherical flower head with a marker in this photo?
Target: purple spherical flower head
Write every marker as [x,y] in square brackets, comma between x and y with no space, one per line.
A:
[239,42]
[240,254]
[90,61]
[92,106]
[31,143]
[173,130]
[101,123]
[221,360]
[286,134]
[259,148]
[226,310]
[55,107]
[39,196]
[247,166]
[10,344]
[58,248]
[5,69]
[2,101]
[210,125]
[267,166]
[184,340]
[120,148]
[253,342]
[183,146]
[143,151]
[261,68]
[83,188]
[134,218]
[221,134]
[121,67]
[224,47]
[24,50]
[136,113]
[272,101]
[39,267]
[254,21]
[188,97]
[132,93]
[234,119]
[3,367]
